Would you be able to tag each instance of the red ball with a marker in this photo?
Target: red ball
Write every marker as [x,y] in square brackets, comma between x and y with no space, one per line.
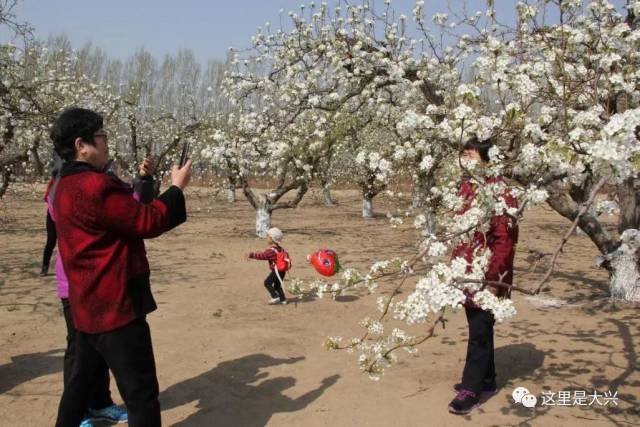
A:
[325,261]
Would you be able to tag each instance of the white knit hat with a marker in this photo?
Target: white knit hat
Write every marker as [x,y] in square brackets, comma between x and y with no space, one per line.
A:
[276,234]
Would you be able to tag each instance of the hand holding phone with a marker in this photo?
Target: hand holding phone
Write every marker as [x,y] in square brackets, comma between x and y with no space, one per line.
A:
[180,176]
[147,167]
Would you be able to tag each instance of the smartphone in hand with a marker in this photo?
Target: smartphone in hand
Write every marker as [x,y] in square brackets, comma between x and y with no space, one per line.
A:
[183,156]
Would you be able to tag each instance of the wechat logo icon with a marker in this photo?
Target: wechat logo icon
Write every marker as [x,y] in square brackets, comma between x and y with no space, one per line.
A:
[522,395]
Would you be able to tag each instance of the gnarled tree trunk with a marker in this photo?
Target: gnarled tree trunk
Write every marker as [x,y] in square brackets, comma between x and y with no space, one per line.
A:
[231,193]
[629,199]
[624,283]
[369,191]
[367,206]
[38,167]
[263,216]
[625,261]
[326,195]
[265,204]
[6,180]
[421,186]
[621,259]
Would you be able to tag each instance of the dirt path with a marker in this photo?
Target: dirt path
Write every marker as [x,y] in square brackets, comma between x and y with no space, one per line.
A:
[226,358]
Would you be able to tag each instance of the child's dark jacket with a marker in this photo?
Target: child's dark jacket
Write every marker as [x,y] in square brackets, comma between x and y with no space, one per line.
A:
[270,254]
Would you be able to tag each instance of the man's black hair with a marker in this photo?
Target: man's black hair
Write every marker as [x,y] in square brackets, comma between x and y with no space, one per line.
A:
[482,147]
[74,123]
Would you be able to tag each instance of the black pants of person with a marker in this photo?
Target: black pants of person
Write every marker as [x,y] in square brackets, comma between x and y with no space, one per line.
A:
[480,368]
[129,354]
[274,286]
[99,396]
[51,241]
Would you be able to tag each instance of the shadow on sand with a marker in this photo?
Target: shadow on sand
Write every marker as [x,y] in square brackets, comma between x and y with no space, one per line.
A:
[26,367]
[239,393]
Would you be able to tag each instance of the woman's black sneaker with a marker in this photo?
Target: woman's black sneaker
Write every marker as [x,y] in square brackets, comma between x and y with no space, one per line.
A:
[464,402]
[487,389]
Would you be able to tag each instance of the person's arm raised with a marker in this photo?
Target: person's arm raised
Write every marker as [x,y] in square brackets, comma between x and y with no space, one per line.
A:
[122,214]
[143,184]
[180,176]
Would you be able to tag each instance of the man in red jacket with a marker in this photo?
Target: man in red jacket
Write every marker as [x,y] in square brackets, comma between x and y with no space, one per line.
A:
[100,229]
[479,375]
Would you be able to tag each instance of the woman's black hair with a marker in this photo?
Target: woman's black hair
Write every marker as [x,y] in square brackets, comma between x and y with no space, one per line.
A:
[482,147]
[74,123]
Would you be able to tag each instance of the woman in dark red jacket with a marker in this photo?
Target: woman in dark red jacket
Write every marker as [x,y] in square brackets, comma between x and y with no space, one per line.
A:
[479,375]
[101,230]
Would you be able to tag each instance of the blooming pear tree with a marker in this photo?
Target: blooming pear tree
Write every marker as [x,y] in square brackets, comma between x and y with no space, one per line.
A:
[559,100]
[359,88]
[290,156]
[35,86]
[328,64]
[161,110]
[161,104]
[291,98]
[567,98]
[373,165]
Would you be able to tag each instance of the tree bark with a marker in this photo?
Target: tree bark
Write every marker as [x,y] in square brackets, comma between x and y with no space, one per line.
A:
[367,206]
[624,283]
[418,200]
[6,180]
[629,199]
[231,189]
[326,195]
[422,185]
[589,224]
[231,194]
[133,128]
[6,168]
[432,222]
[263,216]
[369,191]
[35,158]
[621,260]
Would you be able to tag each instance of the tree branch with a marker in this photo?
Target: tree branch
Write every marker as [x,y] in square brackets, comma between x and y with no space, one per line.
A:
[565,238]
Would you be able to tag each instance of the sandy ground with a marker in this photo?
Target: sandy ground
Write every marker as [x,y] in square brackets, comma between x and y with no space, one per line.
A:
[226,358]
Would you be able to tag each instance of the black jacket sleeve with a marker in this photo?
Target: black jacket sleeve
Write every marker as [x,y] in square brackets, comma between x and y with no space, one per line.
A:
[173,198]
[144,187]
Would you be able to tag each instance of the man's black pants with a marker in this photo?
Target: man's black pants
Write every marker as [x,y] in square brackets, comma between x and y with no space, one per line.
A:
[480,368]
[129,354]
[99,396]
[274,286]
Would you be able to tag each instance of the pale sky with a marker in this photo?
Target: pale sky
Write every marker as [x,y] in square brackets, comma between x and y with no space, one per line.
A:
[207,27]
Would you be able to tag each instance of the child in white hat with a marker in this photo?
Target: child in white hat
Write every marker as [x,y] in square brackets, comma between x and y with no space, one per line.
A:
[279,263]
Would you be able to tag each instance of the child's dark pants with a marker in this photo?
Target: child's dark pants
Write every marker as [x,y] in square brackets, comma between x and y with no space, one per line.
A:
[274,286]
[479,368]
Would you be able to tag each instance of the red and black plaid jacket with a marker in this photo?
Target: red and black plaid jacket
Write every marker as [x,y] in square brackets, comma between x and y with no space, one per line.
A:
[101,228]
[267,255]
[501,239]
